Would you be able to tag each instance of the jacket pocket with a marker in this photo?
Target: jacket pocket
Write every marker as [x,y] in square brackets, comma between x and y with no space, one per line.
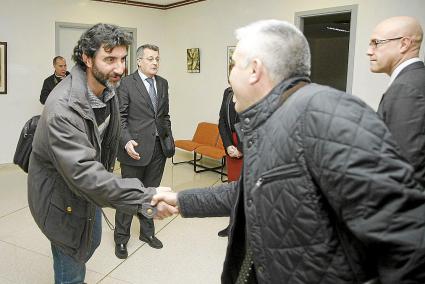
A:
[66,218]
[64,228]
[279,173]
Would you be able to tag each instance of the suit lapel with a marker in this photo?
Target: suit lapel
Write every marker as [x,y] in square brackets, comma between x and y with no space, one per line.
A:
[159,91]
[142,89]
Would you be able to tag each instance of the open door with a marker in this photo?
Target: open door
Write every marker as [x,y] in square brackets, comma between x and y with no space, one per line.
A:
[331,36]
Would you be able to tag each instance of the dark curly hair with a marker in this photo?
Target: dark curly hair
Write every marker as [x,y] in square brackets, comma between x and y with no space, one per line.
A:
[100,34]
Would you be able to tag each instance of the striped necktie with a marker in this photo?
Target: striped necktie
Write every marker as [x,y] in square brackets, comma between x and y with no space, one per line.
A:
[152,94]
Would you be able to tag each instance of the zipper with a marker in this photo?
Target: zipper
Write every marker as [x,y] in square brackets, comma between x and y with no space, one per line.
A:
[90,220]
[286,171]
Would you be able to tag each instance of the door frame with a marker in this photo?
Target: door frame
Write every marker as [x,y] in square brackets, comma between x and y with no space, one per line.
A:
[59,26]
[352,9]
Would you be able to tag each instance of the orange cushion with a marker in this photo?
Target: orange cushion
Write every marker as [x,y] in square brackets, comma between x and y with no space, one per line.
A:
[211,151]
[187,145]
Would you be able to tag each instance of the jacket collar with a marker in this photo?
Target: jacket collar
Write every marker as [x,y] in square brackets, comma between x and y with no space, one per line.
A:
[78,93]
[258,113]
[412,63]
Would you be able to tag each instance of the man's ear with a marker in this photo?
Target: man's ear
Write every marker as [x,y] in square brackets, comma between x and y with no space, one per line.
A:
[256,68]
[406,44]
[88,61]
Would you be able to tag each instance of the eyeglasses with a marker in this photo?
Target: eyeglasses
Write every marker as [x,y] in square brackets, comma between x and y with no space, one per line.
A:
[150,59]
[374,43]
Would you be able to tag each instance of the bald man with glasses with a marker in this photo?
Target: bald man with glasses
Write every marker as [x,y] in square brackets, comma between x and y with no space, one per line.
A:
[394,50]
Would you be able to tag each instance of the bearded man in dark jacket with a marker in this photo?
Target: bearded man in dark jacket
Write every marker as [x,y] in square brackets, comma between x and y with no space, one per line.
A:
[70,171]
[325,196]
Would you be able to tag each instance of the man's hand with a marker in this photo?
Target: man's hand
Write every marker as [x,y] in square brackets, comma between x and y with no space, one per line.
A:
[129,147]
[165,210]
[163,189]
[168,197]
[233,152]
[165,201]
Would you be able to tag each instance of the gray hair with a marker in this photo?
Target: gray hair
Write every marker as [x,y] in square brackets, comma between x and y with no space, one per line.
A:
[110,36]
[281,47]
[141,49]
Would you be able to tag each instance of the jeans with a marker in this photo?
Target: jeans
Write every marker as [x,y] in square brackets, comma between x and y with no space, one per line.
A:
[67,269]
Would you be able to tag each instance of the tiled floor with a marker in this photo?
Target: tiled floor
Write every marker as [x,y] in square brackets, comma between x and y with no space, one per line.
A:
[192,253]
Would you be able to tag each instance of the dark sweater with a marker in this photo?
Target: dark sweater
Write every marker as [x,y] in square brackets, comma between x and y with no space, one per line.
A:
[48,85]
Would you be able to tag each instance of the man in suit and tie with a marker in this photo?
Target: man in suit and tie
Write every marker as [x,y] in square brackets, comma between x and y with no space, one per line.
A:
[394,50]
[146,139]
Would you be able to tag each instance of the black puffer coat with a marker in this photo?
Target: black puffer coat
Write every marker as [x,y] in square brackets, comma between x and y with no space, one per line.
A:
[326,196]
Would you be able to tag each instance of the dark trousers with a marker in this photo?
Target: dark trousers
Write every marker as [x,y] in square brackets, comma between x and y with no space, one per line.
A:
[150,175]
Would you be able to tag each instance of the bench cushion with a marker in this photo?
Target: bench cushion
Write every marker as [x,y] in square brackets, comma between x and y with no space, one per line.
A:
[187,145]
[211,151]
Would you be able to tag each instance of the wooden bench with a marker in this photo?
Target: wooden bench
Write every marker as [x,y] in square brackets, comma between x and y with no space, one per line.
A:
[206,142]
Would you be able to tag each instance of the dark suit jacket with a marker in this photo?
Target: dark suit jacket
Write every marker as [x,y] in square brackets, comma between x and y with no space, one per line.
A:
[403,109]
[48,85]
[138,118]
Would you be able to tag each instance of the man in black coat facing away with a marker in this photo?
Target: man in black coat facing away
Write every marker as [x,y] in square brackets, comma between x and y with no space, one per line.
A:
[325,196]
[146,138]
[50,82]
[394,50]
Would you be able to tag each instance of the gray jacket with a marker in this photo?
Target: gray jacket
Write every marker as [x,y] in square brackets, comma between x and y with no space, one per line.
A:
[70,173]
[325,197]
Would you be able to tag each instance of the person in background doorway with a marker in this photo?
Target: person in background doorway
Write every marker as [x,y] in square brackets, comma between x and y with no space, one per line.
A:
[59,64]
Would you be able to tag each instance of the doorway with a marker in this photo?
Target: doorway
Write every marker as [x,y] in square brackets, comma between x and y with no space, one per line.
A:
[331,36]
[68,34]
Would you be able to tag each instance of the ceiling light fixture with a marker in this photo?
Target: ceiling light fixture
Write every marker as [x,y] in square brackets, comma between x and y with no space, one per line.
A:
[337,30]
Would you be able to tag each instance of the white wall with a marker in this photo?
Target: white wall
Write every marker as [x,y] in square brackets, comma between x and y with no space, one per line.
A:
[209,25]
[28,27]
[29,30]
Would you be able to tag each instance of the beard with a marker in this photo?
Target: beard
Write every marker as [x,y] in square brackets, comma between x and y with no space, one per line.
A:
[103,78]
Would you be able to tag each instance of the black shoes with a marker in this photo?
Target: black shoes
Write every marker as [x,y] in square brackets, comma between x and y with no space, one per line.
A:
[151,241]
[121,251]
[224,233]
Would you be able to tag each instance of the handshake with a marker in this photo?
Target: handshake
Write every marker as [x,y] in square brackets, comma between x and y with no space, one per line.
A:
[165,201]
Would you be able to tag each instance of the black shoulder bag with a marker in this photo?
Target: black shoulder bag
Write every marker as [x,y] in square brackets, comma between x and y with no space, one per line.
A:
[24,147]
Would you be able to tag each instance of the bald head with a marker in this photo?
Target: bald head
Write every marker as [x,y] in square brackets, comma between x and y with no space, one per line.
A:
[402,26]
[394,41]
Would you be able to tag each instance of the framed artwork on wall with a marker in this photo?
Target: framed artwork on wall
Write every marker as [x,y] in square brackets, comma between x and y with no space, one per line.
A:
[230,62]
[3,68]
[193,60]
